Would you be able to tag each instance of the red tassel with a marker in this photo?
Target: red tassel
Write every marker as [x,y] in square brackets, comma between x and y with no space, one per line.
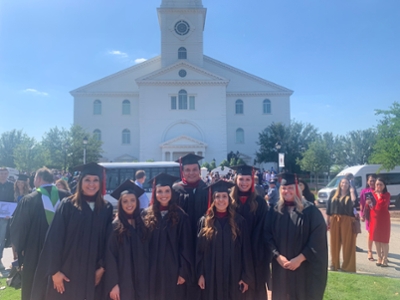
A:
[297,186]
[103,190]
[153,192]
[209,199]
[252,180]
[181,170]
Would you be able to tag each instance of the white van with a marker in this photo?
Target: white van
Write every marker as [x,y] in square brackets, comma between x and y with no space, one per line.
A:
[361,173]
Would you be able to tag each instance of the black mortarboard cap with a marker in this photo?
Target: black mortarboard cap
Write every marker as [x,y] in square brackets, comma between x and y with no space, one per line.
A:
[22,177]
[244,169]
[128,187]
[90,169]
[164,179]
[220,186]
[189,159]
[287,179]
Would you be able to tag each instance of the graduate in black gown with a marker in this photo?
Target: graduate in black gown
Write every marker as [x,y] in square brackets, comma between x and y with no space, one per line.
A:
[224,266]
[30,223]
[192,197]
[296,234]
[171,247]
[253,208]
[71,265]
[127,261]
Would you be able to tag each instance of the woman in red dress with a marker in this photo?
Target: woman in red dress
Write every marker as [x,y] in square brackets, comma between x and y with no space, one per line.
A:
[379,226]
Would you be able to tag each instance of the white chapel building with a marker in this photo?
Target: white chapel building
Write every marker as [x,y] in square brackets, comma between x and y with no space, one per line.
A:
[181,101]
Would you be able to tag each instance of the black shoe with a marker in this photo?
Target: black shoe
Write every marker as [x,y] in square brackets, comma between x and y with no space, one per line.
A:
[378,264]
[358,249]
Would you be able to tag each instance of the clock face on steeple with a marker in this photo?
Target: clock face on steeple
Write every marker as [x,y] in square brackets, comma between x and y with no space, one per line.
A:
[182,27]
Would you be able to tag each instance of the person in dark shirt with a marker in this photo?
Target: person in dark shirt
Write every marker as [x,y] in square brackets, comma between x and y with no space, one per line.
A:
[30,223]
[6,195]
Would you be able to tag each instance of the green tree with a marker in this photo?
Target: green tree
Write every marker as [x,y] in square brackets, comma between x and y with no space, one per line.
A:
[29,155]
[316,158]
[63,148]
[76,147]
[9,141]
[294,139]
[356,147]
[386,150]
[55,143]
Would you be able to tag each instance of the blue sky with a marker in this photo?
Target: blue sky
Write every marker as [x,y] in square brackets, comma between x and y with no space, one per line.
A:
[341,58]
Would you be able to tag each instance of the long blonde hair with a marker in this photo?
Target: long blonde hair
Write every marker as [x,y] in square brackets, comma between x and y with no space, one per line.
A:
[281,203]
[25,188]
[337,196]
[209,229]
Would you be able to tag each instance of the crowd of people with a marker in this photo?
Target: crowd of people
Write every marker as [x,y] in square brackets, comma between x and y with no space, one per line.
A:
[189,240]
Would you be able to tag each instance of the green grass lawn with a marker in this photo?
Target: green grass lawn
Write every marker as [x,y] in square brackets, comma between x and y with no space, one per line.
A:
[341,286]
[8,293]
[345,286]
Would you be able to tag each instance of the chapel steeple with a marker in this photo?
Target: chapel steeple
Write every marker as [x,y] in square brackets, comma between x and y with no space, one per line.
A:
[181,23]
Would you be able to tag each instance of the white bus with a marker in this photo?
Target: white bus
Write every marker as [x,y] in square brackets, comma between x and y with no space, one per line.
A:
[117,173]
[361,173]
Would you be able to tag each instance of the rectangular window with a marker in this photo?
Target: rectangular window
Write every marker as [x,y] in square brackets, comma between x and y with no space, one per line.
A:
[173,102]
[191,103]
[182,102]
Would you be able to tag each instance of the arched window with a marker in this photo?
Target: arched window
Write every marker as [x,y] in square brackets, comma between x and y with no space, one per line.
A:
[182,99]
[239,136]
[126,107]
[182,53]
[97,107]
[239,107]
[97,134]
[267,106]
[126,136]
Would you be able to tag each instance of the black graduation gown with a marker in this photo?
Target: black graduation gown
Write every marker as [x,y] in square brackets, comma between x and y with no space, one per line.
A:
[127,264]
[224,262]
[290,234]
[260,252]
[193,201]
[171,255]
[28,229]
[75,245]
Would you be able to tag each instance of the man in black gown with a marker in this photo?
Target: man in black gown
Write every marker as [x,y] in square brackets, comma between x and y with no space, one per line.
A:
[193,199]
[30,223]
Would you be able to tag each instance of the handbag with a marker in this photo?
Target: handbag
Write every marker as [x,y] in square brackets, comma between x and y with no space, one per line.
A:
[366,213]
[356,226]
[15,278]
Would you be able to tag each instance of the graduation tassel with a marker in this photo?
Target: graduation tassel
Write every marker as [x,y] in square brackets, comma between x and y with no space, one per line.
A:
[181,170]
[209,200]
[297,186]
[103,190]
[153,192]
[252,180]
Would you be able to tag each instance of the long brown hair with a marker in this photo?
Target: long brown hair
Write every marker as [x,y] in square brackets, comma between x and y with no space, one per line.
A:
[209,229]
[235,197]
[150,219]
[76,198]
[123,225]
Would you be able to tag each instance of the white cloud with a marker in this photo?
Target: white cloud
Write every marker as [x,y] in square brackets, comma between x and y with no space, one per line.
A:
[118,53]
[35,92]
[139,60]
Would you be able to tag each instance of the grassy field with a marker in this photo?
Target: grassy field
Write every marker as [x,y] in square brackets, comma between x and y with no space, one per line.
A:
[8,293]
[346,286]
[341,286]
